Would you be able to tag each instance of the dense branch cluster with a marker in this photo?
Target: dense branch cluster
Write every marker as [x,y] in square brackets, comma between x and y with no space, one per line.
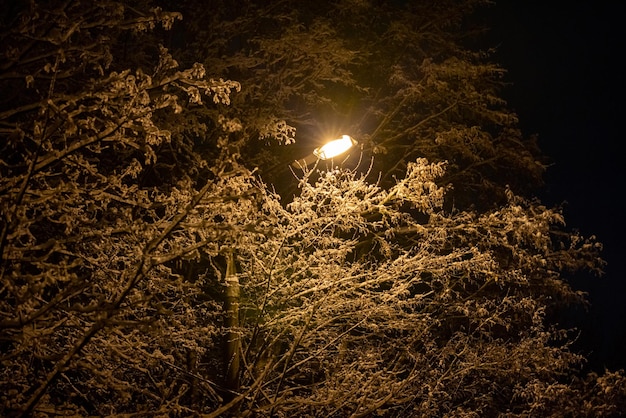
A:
[131,201]
[377,311]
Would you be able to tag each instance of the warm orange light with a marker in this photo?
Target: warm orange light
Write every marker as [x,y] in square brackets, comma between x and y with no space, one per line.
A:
[334,148]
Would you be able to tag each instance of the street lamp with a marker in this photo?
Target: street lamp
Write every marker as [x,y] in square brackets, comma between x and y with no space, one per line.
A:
[327,151]
[232,292]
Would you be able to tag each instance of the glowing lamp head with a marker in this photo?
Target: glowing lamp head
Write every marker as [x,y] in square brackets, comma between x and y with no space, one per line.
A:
[334,148]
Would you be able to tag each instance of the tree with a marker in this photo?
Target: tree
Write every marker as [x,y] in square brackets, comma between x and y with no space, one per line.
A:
[98,183]
[130,200]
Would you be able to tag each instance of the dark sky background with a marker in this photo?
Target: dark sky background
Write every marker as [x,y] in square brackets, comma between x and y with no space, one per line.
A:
[564,61]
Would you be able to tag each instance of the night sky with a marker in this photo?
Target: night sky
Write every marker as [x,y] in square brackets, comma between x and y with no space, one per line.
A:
[568,88]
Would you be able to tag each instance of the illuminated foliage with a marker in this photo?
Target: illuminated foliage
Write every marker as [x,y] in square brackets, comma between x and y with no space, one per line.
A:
[98,184]
[127,181]
[364,300]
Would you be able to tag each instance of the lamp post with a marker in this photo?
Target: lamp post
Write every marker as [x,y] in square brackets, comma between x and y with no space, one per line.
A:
[232,292]
[231,311]
[327,151]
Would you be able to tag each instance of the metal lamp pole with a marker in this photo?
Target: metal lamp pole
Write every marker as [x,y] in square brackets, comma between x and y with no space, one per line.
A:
[231,308]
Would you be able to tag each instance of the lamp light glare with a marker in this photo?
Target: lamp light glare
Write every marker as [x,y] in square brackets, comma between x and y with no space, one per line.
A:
[334,148]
